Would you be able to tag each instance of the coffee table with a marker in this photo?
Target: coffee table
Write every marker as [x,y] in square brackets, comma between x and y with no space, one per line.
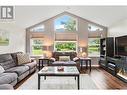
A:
[69,71]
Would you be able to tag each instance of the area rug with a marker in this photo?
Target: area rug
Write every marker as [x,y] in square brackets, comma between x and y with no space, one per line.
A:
[58,83]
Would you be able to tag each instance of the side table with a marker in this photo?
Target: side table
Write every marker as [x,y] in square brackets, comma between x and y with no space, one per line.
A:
[41,62]
[87,60]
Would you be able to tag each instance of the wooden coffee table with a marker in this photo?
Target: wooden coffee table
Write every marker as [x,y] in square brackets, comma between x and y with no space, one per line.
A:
[69,71]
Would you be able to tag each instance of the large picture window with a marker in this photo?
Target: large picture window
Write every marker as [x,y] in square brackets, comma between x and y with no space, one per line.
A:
[65,23]
[37,47]
[65,46]
[94,46]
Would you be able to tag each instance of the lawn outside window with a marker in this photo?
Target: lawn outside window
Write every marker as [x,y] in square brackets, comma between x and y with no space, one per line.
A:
[94,47]
[37,47]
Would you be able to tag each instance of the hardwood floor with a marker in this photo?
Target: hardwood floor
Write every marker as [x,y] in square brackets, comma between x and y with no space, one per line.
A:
[100,77]
[24,80]
[105,80]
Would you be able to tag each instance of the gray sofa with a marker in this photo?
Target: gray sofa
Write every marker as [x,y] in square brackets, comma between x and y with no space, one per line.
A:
[6,87]
[14,73]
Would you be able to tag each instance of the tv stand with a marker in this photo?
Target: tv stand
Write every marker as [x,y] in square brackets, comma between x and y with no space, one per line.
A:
[111,65]
[117,67]
[117,57]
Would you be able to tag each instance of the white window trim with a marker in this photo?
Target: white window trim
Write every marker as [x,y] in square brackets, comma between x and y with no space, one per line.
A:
[31,30]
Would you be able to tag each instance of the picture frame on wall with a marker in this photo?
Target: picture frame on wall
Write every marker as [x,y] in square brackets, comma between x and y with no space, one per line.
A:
[4,37]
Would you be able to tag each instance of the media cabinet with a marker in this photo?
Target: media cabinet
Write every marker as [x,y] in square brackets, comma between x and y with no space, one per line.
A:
[106,49]
[116,65]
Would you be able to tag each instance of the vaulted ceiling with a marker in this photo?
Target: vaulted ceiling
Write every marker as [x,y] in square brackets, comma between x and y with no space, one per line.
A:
[26,16]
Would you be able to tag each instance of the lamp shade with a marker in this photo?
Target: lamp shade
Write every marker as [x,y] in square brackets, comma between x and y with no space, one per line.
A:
[83,54]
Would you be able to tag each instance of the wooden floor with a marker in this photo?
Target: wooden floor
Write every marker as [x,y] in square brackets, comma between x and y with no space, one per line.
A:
[101,78]
[105,80]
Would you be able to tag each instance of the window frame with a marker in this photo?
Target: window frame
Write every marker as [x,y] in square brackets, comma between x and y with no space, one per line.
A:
[32,29]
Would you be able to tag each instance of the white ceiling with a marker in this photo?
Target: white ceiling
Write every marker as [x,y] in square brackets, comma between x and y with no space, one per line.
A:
[26,16]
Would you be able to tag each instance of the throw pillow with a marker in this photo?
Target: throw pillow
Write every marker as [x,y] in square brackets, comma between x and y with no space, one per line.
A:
[64,58]
[1,69]
[23,58]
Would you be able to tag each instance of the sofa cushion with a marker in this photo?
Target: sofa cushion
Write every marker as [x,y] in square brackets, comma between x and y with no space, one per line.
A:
[23,58]
[31,65]
[18,69]
[6,61]
[1,69]
[64,58]
[7,78]
[6,87]
[57,54]
[14,56]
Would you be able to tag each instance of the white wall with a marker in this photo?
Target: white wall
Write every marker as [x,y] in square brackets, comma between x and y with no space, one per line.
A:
[118,29]
[16,38]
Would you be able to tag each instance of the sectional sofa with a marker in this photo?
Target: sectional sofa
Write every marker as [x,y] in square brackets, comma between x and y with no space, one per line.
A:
[14,73]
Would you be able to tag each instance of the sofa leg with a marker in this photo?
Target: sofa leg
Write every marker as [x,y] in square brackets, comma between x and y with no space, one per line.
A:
[75,78]
[44,77]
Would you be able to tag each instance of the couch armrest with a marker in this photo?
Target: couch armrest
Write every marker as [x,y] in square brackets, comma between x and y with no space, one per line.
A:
[75,59]
[52,59]
[32,59]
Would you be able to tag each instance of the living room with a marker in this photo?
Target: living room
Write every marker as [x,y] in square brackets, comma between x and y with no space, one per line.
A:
[63,47]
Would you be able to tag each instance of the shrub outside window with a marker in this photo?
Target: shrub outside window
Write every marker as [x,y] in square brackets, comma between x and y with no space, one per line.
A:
[65,46]
[37,47]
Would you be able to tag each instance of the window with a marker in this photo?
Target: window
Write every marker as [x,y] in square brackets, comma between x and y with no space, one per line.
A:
[65,23]
[39,28]
[37,47]
[66,46]
[94,46]
[94,28]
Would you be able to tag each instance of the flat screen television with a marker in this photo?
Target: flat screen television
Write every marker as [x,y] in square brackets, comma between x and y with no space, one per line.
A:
[121,46]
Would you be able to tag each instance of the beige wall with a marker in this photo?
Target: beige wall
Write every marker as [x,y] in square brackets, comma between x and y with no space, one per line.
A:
[82,33]
[17,35]
[118,29]
[16,38]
